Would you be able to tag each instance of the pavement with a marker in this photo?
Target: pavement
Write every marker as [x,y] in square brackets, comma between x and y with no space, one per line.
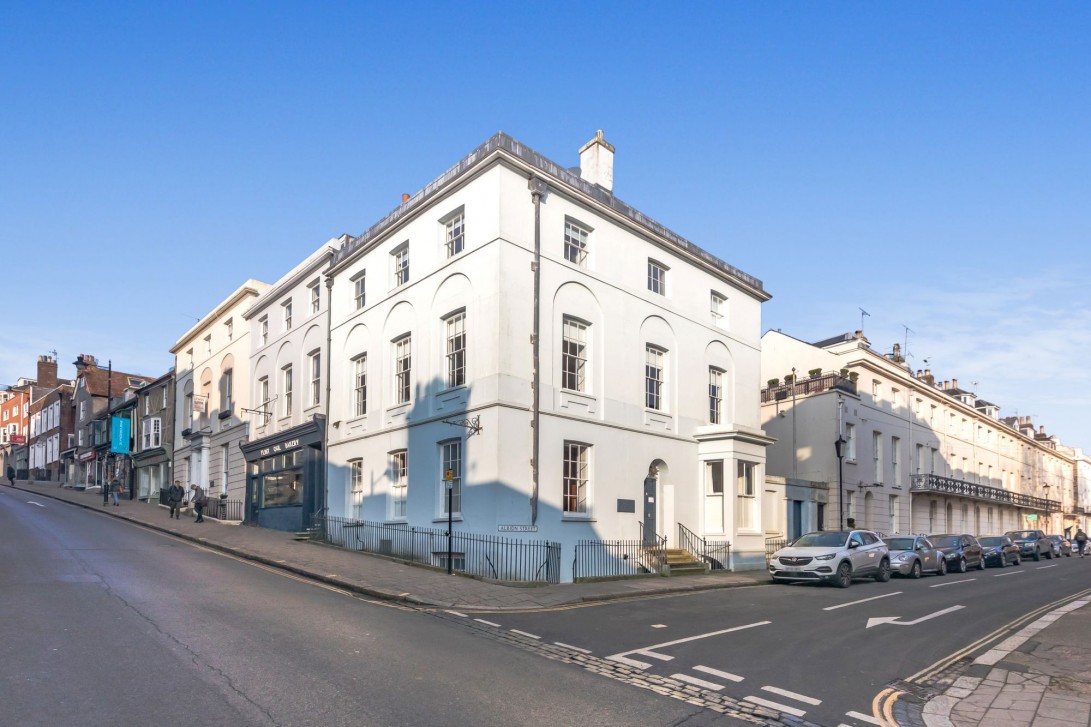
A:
[1038,676]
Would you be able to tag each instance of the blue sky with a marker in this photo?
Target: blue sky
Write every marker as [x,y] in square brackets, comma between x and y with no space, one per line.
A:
[928,162]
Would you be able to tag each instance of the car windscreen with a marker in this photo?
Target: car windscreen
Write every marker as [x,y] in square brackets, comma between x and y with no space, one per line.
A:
[951,541]
[899,543]
[1022,535]
[990,541]
[821,540]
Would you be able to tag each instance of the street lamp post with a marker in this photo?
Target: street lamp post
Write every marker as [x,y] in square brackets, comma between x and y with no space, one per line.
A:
[839,447]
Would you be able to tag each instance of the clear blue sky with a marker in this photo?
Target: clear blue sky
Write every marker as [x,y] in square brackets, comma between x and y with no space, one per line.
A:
[928,162]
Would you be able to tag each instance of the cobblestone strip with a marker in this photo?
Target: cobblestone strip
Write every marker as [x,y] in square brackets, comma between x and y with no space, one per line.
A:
[665,686]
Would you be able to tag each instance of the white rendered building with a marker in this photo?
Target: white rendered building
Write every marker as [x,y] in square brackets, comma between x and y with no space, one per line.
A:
[917,455]
[577,369]
[212,388]
[285,456]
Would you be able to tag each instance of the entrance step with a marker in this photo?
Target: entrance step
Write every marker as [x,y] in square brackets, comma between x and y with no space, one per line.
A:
[682,562]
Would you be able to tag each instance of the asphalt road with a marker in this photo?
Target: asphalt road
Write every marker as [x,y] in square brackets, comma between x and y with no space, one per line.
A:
[807,649]
[106,623]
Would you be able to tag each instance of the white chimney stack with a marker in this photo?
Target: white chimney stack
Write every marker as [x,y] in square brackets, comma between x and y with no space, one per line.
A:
[597,162]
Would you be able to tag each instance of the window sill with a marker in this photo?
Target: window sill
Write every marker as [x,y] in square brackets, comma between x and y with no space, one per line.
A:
[578,519]
[443,519]
[396,521]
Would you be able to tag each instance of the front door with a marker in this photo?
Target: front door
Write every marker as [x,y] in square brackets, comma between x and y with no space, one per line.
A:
[797,520]
[649,510]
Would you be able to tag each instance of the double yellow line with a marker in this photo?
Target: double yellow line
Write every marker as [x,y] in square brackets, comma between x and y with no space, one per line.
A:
[882,707]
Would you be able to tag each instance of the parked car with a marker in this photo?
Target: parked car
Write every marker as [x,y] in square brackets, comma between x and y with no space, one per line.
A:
[832,557]
[1062,545]
[1032,543]
[999,550]
[912,555]
[961,550]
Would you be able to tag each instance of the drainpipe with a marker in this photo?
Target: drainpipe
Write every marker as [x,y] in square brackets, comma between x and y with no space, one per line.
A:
[326,424]
[538,188]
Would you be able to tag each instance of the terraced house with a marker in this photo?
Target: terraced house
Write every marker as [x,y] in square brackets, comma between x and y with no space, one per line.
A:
[518,350]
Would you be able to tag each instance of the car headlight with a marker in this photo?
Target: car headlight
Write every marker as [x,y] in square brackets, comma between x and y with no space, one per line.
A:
[825,557]
[901,556]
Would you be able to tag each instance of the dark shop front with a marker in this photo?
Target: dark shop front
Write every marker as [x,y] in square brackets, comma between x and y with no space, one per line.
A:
[286,477]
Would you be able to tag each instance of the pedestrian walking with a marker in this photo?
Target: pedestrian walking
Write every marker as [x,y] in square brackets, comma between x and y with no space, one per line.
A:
[115,492]
[11,475]
[175,494]
[1081,541]
[198,499]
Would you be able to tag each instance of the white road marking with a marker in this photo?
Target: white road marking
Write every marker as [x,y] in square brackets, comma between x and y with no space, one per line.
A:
[659,626]
[456,613]
[894,619]
[951,583]
[778,707]
[1010,573]
[717,673]
[1043,567]
[487,623]
[654,655]
[1012,643]
[793,695]
[31,502]
[697,682]
[570,646]
[864,718]
[524,633]
[862,600]
[645,651]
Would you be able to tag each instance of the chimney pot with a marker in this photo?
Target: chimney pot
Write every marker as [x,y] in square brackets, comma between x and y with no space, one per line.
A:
[954,383]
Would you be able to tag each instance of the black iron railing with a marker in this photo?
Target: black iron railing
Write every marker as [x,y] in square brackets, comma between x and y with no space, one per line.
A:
[772,545]
[716,553]
[949,486]
[805,387]
[654,552]
[608,559]
[224,509]
[487,556]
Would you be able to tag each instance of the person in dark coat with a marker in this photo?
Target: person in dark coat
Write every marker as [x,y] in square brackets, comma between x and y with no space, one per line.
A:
[175,494]
[198,501]
[11,475]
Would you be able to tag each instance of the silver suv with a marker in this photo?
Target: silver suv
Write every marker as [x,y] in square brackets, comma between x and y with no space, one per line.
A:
[835,557]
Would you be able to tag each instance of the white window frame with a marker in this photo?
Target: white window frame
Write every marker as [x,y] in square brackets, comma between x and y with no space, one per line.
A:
[657,277]
[399,484]
[746,495]
[208,345]
[455,357]
[263,398]
[895,461]
[399,259]
[229,329]
[359,385]
[356,485]
[454,232]
[576,480]
[655,377]
[315,359]
[359,289]
[403,369]
[286,309]
[718,309]
[286,385]
[263,324]
[576,236]
[877,455]
[315,296]
[850,442]
[575,354]
[447,460]
[715,395]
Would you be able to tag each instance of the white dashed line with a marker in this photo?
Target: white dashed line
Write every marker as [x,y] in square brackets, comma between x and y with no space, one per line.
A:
[622,659]
[487,623]
[952,583]
[31,502]
[654,655]
[1012,573]
[862,600]
[717,673]
[778,707]
[647,650]
[659,626]
[697,682]
[864,718]
[793,695]
[570,646]
[456,613]
[1043,567]
[524,633]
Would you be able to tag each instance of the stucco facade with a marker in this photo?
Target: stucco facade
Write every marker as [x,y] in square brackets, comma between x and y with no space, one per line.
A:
[435,367]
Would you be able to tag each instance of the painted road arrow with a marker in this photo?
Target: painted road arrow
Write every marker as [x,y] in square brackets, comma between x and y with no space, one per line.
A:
[894,619]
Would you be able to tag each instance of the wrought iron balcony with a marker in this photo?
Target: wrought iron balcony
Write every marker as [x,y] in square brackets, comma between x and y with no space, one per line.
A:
[948,486]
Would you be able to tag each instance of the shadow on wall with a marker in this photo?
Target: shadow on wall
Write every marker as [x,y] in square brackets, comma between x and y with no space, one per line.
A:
[391,498]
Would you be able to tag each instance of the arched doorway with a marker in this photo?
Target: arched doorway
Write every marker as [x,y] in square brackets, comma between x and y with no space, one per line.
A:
[658,502]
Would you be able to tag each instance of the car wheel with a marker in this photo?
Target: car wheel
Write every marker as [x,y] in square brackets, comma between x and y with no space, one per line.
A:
[1049,555]
[1003,560]
[915,571]
[1037,555]
[942,570]
[844,576]
[981,563]
[884,571]
[961,566]
[1018,559]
